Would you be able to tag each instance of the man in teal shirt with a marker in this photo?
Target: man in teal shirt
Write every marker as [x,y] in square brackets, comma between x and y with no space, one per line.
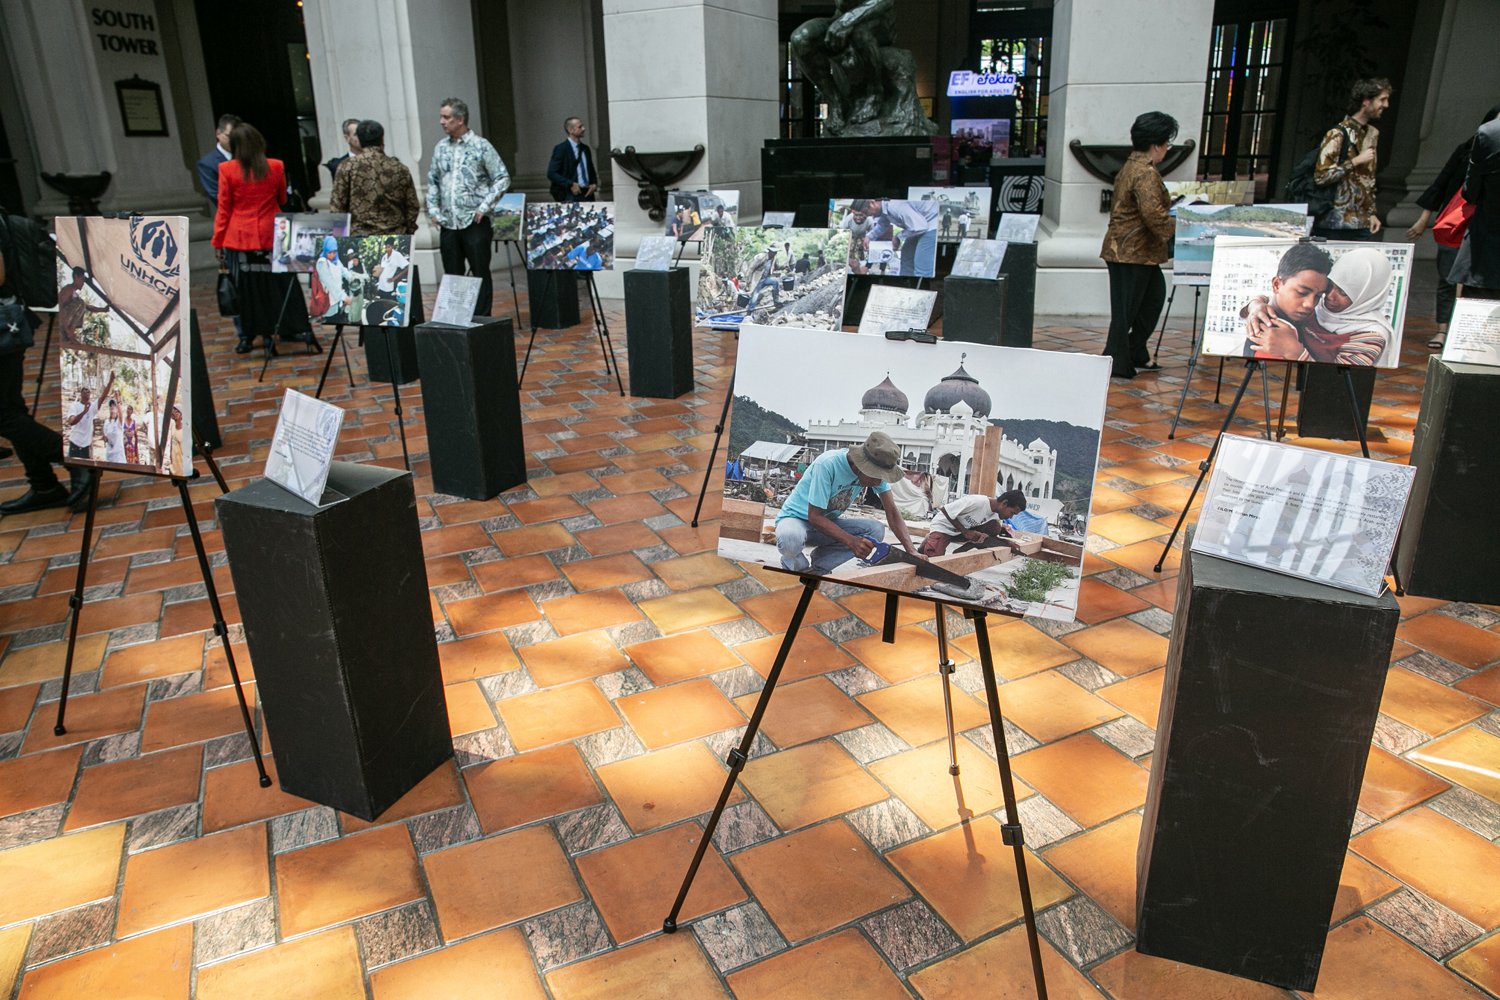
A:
[813,514]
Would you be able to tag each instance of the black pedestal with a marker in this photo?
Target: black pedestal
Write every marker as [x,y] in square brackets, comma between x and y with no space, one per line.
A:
[1449,547]
[1272,689]
[205,420]
[339,625]
[473,408]
[974,311]
[1018,268]
[659,332]
[1324,410]
[553,299]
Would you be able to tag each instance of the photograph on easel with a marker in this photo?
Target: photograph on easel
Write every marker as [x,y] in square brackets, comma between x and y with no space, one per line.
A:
[976,493]
[570,236]
[690,213]
[124,356]
[362,281]
[1288,300]
[297,238]
[508,216]
[773,277]
[1199,225]
[889,238]
[964,212]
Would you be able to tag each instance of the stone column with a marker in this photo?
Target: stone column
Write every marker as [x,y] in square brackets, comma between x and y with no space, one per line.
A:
[680,73]
[1111,60]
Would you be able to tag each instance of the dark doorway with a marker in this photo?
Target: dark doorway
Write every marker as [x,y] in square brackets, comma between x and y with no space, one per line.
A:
[1244,101]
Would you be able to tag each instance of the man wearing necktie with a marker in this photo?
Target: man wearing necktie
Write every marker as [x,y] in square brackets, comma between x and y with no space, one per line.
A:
[571,170]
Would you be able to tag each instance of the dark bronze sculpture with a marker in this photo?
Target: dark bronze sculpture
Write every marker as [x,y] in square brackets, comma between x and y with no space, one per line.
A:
[870,86]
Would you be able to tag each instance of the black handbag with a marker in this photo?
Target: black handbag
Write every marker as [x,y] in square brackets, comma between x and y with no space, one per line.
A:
[229,296]
[15,327]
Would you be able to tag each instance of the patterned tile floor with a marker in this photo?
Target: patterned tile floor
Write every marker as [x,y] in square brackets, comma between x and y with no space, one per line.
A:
[600,661]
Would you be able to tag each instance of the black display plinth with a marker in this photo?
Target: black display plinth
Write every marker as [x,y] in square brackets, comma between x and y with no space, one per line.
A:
[1018,268]
[205,420]
[974,311]
[659,332]
[1272,689]
[472,405]
[395,363]
[339,625]
[552,297]
[1449,547]
[1324,411]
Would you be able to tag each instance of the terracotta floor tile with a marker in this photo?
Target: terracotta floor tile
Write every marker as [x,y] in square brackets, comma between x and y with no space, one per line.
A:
[585,612]
[1469,757]
[527,787]
[1124,527]
[88,717]
[772,579]
[1392,785]
[606,572]
[16,705]
[686,540]
[551,716]
[152,967]
[343,879]
[774,610]
[815,880]
[1018,649]
[801,786]
[618,538]
[636,482]
[129,788]
[481,656]
[193,718]
[442,789]
[632,507]
[679,712]
[1000,968]
[689,610]
[671,965]
[681,657]
[1140,696]
[37,780]
[914,710]
[705,569]
[468,708]
[1163,594]
[1133,976]
[811,654]
[1360,884]
[457,538]
[1098,602]
[13,944]
[60,873]
[843,966]
[969,877]
[509,574]
[153,659]
[1457,868]
[497,964]
[1142,557]
[499,880]
[232,795]
[1427,705]
[1480,963]
[920,778]
[1121,645]
[1452,639]
[573,658]
[491,612]
[1484,684]
[913,654]
[195,877]
[1049,706]
[37,612]
[546,509]
[446,570]
[1084,777]
[1364,960]
[537,538]
[1106,499]
[804,711]
[1101,862]
[659,788]
[322,965]
[634,884]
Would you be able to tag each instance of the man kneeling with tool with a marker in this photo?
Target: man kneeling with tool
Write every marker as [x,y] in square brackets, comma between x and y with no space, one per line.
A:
[975,519]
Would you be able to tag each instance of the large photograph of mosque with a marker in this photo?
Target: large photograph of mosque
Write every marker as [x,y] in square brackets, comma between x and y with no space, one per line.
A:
[953,471]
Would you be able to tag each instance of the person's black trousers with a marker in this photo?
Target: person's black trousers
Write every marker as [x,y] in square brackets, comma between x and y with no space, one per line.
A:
[471,245]
[36,445]
[1136,295]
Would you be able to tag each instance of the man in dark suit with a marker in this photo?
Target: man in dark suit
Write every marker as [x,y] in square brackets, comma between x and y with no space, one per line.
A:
[571,170]
[208,164]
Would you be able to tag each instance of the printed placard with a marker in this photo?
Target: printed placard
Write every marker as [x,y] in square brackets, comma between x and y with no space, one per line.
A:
[457,296]
[1474,332]
[307,432]
[979,259]
[770,220]
[1017,227]
[655,253]
[892,308]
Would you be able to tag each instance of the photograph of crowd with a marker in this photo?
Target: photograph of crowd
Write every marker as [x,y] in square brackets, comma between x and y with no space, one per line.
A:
[964,211]
[888,237]
[975,492]
[297,238]
[570,236]
[1198,225]
[689,213]
[508,216]
[773,276]
[363,281]
[1284,300]
[124,354]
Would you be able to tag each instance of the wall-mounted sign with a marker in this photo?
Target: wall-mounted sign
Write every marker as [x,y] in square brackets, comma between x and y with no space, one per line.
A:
[141,109]
[966,83]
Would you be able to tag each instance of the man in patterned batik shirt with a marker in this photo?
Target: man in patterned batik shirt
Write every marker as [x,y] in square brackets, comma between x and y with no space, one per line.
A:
[1347,158]
[376,190]
[464,184]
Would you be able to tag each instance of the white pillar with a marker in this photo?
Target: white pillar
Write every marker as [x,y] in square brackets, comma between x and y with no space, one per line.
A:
[680,73]
[1111,61]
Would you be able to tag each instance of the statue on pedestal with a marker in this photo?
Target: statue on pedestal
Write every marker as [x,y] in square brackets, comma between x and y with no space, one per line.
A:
[870,86]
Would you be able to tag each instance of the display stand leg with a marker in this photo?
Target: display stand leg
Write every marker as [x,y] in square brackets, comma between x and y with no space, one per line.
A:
[945,669]
[220,629]
[1359,425]
[338,341]
[739,755]
[713,452]
[1166,314]
[1286,388]
[75,605]
[1010,831]
[1265,398]
[208,458]
[1187,383]
[596,302]
[41,372]
[390,365]
[551,276]
[510,269]
[313,347]
[1219,381]
[681,246]
[1203,466]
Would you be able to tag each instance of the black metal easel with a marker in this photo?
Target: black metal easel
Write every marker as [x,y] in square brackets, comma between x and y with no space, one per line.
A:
[713,453]
[313,346]
[601,327]
[1166,313]
[75,602]
[41,372]
[390,366]
[333,348]
[510,269]
[1010,831]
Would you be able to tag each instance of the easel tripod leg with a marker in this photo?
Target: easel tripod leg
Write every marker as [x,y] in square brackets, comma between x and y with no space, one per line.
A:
[713,452]
[338,339]
[41,371]
[1286,388]
[390,363]
[945,669]
[1165,315]
[75,604]
[1265,399]
[1359,424]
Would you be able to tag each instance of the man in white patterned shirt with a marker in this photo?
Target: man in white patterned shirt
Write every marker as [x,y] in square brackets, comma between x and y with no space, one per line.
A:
[464,184]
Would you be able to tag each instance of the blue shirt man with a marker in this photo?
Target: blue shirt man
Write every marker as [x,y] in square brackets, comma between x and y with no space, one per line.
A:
[571,174]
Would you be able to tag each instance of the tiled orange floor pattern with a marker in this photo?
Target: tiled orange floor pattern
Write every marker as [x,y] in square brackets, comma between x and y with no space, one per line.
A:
[600,661]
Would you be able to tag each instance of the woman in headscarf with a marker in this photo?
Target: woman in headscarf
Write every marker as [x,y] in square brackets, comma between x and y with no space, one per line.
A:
[1349,326]
[132,439]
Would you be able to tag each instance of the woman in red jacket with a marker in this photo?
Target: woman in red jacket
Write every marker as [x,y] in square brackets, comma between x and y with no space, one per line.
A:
[251,190]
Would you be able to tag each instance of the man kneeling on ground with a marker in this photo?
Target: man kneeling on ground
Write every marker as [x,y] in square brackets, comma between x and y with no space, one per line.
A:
[813,514]
[975,518]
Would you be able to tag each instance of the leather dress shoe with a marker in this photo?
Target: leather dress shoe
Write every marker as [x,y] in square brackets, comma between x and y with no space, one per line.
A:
[243,347]
[57,496]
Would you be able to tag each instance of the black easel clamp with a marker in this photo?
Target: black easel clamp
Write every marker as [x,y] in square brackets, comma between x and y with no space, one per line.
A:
[1011,835]
[736,759]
